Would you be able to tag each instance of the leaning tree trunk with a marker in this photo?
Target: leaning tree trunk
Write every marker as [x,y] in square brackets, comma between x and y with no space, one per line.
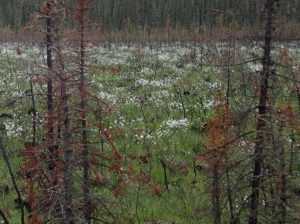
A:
[261,125]
[19,199]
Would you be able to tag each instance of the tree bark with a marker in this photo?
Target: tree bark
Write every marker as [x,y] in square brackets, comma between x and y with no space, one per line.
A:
[283,183]
[163,163]
[33,114]
[261,124]
[69,215]
[82,88]
[19,199]
[67,151]
[49,46]
[2,214]
[216,195]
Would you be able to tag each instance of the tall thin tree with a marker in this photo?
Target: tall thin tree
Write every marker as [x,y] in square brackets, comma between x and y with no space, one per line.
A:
[49,46]
[262,112]
[82,9]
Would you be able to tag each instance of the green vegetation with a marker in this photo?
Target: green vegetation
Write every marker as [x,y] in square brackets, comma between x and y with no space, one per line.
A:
[197,131]
[162,102]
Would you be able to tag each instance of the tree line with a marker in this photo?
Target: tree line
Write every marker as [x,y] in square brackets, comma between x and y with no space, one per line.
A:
[149,14]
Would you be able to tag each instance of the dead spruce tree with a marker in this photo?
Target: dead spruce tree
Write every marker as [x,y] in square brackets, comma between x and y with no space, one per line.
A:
[70,152]
[218,147]
[49,48]
[266,73]
[81,10]
[47,164]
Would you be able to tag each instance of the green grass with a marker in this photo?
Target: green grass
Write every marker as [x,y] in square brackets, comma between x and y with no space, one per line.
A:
[163,107]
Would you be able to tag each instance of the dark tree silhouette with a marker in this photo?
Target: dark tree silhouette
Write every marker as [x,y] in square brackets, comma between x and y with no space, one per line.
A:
[262,112]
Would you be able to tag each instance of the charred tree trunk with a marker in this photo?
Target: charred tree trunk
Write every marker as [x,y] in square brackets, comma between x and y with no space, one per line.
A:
[67,154]
[33,114]
[163,163]
[49,46]
[2,214]
[82,8]
[296,86]
[67,150]
[216,195]
[261,125]
[283,183]
[19,199]
[292,153]
[230,201]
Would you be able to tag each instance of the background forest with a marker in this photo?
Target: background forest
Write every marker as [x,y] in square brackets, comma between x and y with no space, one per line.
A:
[153,14]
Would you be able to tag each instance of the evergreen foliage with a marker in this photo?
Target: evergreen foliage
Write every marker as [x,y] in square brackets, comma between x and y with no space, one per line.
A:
[149,14]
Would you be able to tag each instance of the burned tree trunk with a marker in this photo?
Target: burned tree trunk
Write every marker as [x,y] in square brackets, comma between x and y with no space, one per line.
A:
[19,199]
[2,214]
[67,146]
[262,111]
[67,155]
[49,46]
[82,8]
[216,195]
[283,186]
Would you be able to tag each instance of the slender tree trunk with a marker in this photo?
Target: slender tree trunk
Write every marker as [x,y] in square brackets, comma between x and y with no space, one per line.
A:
[283,183]
[230,201]
[216,195]
[34,123]
[49,46]
[228,61]
[163,163]
[297,89]
[67,154]
[292,153]
[33,114]
[2,214]
[82,88]
[261,125]
[19,199]
[66,134]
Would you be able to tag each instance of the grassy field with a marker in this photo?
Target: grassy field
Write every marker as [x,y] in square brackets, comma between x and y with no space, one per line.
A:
[159,101]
